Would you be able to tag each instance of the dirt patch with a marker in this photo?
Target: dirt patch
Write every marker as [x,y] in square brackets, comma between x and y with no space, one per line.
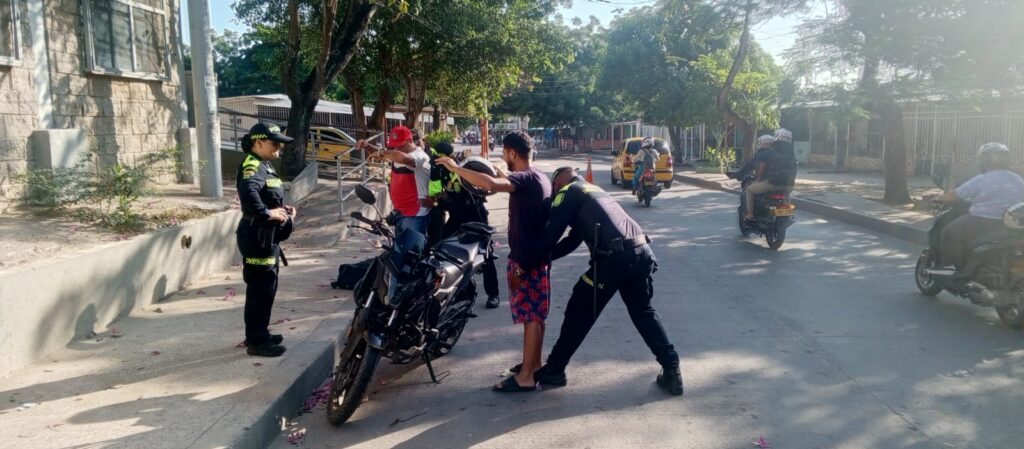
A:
[29,236]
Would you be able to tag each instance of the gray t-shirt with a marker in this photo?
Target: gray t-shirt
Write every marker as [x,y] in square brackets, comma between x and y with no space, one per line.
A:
[992,193]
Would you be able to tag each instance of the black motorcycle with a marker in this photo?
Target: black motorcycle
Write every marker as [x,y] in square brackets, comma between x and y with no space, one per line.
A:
[422,320]
[994,272]
[773,214]
[646,187]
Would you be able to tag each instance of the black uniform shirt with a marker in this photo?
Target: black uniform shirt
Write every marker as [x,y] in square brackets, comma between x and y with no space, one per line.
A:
[259,189]
[581,205]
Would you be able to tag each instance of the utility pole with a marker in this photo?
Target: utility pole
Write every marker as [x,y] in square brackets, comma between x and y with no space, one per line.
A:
[204,88]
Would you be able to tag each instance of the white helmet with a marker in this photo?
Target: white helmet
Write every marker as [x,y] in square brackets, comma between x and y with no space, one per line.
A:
[993,156]
[765,141]
[647,142]
[993,148]
[783,135]
[1014,216]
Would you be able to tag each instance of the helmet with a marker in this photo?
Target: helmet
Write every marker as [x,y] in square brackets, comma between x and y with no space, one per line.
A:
[647,143]
[783,135]
[1014,217]
[993,156]
[765,141]
[481,165]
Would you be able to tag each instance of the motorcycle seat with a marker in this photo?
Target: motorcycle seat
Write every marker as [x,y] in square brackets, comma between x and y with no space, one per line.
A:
[464,253]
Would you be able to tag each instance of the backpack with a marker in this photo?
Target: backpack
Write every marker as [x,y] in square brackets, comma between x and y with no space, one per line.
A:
[782,171]
[350,274]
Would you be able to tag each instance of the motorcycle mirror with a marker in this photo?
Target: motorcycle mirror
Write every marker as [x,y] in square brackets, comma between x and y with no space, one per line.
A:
[365,195]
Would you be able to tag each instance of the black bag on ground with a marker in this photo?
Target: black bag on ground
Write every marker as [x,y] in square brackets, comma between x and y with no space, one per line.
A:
[349,274]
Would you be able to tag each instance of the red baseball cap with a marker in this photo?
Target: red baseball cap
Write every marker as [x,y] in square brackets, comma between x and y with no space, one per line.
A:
[399,136]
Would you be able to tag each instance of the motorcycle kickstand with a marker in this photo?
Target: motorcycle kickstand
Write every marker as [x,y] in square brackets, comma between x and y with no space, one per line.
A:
[430,369]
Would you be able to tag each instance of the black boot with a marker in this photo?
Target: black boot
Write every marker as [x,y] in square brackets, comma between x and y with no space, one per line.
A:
[267,349]
[492,302]
[545,376]
[671,380]
[276,339]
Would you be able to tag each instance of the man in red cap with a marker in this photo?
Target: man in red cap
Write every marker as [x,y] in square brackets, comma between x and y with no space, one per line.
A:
[410,177]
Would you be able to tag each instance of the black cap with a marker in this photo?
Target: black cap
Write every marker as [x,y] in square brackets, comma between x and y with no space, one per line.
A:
[263,131]
[444,148]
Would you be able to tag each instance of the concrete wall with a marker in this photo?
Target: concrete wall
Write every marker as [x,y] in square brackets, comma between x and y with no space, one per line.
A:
[38,313]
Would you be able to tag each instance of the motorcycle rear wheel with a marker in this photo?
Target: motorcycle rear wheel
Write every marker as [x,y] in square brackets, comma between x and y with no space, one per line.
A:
[926,283]
[647,201]
[775,238]
[744,227]
[1012,316]
[351,381]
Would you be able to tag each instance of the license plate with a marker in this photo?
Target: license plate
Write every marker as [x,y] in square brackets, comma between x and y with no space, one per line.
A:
[784,212]
[649,182]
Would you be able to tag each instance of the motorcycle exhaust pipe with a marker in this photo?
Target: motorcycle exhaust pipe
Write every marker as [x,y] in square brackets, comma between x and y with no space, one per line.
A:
[981,292]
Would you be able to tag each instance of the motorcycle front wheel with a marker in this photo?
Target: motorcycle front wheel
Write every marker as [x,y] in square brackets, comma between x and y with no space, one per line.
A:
[351,381]
[926,283]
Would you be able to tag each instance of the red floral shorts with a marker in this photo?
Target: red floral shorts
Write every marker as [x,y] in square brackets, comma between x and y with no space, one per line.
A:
[531,298]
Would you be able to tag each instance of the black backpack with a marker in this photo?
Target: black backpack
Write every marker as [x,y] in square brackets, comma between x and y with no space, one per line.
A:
[350,274]
[782,171]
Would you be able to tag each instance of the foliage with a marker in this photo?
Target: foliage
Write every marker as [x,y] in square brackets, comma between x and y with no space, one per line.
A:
[107,195]
[245,63]
[723,158]
[439,136]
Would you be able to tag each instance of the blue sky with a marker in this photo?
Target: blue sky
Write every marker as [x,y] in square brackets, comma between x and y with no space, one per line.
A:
[775,36]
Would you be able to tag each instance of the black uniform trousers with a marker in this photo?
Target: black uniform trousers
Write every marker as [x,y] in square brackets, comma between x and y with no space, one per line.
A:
[259,271]
[471,214]
[629,273]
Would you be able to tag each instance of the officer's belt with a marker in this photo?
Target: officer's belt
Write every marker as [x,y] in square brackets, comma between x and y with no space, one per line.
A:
[623,244]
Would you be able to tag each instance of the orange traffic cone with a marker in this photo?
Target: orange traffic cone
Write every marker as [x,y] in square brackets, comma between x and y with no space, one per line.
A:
[590,172]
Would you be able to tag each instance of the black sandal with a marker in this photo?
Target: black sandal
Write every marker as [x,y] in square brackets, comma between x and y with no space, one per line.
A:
[511,385]
[516,369]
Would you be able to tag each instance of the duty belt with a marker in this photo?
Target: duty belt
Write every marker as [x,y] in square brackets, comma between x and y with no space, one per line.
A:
[624,244]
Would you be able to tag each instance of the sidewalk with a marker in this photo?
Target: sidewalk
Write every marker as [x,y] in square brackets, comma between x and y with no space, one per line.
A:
[173,375]
[852,198]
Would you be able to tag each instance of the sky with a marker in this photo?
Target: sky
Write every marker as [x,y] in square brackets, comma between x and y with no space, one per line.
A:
[775,35]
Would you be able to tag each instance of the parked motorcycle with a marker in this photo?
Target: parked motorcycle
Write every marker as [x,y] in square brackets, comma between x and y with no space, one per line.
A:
[425,317]
[993,275]
[773,214]
[647,187]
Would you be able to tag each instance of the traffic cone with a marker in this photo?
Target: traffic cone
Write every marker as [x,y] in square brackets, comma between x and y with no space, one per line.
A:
[590,172]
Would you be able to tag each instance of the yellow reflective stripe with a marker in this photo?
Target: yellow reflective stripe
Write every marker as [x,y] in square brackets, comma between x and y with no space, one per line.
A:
[258,136]
[558,199]
[250,161]
[274,182]
[260,260]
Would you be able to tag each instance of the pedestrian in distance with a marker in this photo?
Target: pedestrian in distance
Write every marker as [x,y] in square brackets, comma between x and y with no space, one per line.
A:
[529,289]
[621,260]
[266,222]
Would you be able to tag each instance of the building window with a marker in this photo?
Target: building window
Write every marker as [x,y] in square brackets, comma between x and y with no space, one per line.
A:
[127,37]
[10,48]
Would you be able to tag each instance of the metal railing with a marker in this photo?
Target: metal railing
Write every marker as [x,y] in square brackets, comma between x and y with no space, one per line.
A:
[363,169]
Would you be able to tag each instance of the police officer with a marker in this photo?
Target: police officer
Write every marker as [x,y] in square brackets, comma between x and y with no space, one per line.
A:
[463,207]
[621,261]
[266,221]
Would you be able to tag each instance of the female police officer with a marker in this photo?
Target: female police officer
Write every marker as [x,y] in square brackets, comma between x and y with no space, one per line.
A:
[266,221]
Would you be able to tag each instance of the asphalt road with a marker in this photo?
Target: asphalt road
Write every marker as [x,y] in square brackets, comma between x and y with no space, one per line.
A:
[823,344]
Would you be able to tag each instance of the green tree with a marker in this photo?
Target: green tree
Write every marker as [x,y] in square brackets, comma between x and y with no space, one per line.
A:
[874,53]
[319,37]
[245,64]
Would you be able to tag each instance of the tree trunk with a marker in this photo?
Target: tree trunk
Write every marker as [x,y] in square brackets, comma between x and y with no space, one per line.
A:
[378,119]
[355,89]
[895,160]
[722,102]
[677,143]
[438,124]
[884,105]
[415,99]
[339,41]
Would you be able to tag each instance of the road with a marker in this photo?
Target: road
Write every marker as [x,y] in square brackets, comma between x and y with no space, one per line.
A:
[823,344]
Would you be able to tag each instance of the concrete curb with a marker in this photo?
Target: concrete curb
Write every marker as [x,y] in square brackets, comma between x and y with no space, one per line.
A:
[897,230]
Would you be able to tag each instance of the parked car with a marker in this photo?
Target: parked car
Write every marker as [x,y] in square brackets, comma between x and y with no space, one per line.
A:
[623,168]
[327,143]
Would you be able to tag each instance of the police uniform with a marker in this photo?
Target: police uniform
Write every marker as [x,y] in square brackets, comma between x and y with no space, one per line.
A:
[260,190]
[621,261]
[463,207]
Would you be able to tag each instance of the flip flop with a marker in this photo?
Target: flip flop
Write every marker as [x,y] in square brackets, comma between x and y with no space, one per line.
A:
[510,385]
[516,369]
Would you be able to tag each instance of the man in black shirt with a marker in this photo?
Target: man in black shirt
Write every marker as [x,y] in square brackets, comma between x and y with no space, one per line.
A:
[621,261]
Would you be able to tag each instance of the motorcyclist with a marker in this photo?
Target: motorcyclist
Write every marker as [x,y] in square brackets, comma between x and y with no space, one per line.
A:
[990,193]
[774,167]
[645,159]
